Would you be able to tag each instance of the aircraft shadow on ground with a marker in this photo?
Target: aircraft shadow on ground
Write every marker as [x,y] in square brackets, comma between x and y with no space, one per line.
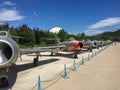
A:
[12,74]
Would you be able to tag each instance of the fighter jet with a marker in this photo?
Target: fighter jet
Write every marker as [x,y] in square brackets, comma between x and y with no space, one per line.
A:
[71,46]
[97,44]
[10,52]
[67,46]
[88,45]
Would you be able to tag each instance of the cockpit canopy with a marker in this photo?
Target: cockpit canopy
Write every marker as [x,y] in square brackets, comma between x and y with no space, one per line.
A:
[3,34]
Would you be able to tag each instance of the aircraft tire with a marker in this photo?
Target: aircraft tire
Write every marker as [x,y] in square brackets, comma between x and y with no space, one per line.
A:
[4,82]
[51,53]
[35,62]
[74,56]
[90,49]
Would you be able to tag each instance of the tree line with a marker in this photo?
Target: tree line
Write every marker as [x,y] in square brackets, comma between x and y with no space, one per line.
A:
[28,37]
[113,36]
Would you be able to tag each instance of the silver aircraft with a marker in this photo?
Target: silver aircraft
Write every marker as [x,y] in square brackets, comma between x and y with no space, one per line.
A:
[88,45]
[71,46]
[10,52]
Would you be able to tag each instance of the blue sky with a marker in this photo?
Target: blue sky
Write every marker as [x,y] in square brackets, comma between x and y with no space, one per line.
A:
[74,16]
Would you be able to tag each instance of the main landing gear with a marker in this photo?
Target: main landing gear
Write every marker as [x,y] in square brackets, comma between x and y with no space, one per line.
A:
[90,49]
[36,60]
[3,78]
[75,55]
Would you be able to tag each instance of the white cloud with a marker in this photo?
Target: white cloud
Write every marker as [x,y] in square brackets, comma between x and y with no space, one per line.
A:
[55,30]
[94,32]
[9,3]
[10,15]
[105,23]
[117,26]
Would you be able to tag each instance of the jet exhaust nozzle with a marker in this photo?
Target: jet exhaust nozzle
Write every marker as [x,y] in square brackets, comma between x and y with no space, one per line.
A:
[9,51]
[81,45]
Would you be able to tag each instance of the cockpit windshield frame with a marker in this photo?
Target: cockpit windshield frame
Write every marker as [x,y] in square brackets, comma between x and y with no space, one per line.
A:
[3,34]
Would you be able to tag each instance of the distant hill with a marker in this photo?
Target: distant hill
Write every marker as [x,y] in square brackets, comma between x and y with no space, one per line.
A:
[114,36]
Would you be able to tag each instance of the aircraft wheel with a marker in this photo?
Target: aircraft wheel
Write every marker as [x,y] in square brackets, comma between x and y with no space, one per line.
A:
[51,53]
[90,49]
[35,62]
[4,82]
[75,56]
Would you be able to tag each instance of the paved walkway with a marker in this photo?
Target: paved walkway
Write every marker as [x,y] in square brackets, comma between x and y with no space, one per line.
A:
[100,73]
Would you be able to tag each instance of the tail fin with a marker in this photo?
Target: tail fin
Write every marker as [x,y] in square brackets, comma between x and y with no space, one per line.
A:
[9,35]
[57,39]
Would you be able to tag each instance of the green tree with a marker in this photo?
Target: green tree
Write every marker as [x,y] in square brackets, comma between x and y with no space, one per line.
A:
[63,35]
[14,35]
[27,34]
[49,34]
[83,36]
[78,36]
[4,26]
[38,35]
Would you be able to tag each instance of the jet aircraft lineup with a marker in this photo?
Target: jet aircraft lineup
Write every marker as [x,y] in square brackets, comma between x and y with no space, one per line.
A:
[10,52]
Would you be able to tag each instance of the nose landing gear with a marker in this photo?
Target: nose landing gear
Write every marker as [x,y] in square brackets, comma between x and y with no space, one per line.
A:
[4,82]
